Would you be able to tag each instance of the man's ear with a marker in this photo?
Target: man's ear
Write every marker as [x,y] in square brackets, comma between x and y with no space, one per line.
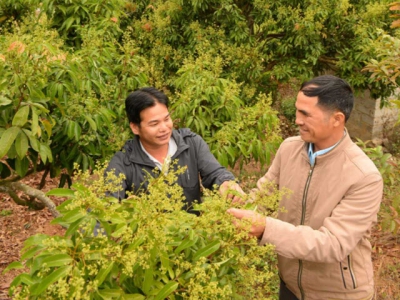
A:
[134,127]
[338,118]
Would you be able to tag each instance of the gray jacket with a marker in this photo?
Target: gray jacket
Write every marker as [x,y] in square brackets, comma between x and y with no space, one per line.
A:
[192,151]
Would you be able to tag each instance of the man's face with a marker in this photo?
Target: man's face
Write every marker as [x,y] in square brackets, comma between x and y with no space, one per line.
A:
[315,124]
[155,128]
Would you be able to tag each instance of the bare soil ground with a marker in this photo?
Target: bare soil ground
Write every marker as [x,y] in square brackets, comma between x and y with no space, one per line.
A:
[17,223]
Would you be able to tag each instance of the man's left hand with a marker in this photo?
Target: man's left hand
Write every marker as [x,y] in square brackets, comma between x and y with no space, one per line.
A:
[232,190]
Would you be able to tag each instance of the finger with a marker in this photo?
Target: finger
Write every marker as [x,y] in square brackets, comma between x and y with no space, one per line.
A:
[237,200]
[237,213]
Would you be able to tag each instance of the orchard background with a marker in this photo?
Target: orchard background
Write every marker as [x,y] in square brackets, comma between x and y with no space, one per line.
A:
[230,69]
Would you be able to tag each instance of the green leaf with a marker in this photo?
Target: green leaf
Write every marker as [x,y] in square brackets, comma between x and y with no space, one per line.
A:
[57,260]
[117,219]
[85,162]
[40,107]
[119,230]
[80,188]
[164,260]
[34,240]
[22,166]
[169,288]
[187,243]
[101,276]
[21,117]
[35,123]
[148,280]
[47,125]
[133,297]
[77,132]
[232,152]
[138,241]
[93,256]
[91,122]
[74,227]
[223,159]
[71,129]
[45,153]
[21,145]
[13,266]
[171,272]
[207,250]
[7,139]
[41,286]
[32,140]
[73,215]
[67,24]
[4,101]
[60,192]
[22,278]
[31,252]
[110,293]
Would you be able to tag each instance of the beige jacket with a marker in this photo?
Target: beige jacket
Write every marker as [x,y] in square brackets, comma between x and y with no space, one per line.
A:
[322,238]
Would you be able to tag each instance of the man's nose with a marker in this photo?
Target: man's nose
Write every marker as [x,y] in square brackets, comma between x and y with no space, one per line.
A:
[163,126]
[299,119]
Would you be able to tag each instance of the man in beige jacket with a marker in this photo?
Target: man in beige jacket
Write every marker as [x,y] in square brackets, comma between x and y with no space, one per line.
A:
[322,236]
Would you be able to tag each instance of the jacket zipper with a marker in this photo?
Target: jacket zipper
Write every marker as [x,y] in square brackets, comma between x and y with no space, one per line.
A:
[343,278]
[350,268]
[353,277]
[303,216]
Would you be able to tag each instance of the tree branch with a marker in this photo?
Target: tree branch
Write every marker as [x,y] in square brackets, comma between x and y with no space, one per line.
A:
[16,177]
[13,195]
[11,187]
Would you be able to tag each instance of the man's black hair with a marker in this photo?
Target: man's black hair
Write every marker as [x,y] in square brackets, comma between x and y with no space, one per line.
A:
[334,93]
[141,99]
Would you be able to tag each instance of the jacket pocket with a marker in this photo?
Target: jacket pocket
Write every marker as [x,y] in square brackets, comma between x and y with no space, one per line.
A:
[188,179]
[348,274]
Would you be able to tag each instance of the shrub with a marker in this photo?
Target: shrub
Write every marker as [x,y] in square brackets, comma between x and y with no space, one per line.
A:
[149,249]
[389,168]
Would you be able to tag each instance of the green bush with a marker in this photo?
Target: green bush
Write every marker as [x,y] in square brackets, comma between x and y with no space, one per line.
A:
[288,109]
[389,168]
[59,106]
[150,249]
[67,66]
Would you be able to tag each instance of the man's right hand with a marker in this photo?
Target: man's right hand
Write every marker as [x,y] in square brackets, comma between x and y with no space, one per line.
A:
[257,221]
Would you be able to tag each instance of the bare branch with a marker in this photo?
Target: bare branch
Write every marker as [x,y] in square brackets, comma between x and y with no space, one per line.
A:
[11,187]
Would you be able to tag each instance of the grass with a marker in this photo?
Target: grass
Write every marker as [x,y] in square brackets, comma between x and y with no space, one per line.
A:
[5,212]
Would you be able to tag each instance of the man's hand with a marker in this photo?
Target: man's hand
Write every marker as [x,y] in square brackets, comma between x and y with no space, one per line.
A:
[257,221]
[232,190]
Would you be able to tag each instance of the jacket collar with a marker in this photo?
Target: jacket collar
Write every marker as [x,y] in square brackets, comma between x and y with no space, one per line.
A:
[344,142]
[179,136]
[135,154]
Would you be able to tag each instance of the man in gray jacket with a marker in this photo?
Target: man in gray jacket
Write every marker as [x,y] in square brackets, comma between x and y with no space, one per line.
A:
[156,143]
[322,236]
